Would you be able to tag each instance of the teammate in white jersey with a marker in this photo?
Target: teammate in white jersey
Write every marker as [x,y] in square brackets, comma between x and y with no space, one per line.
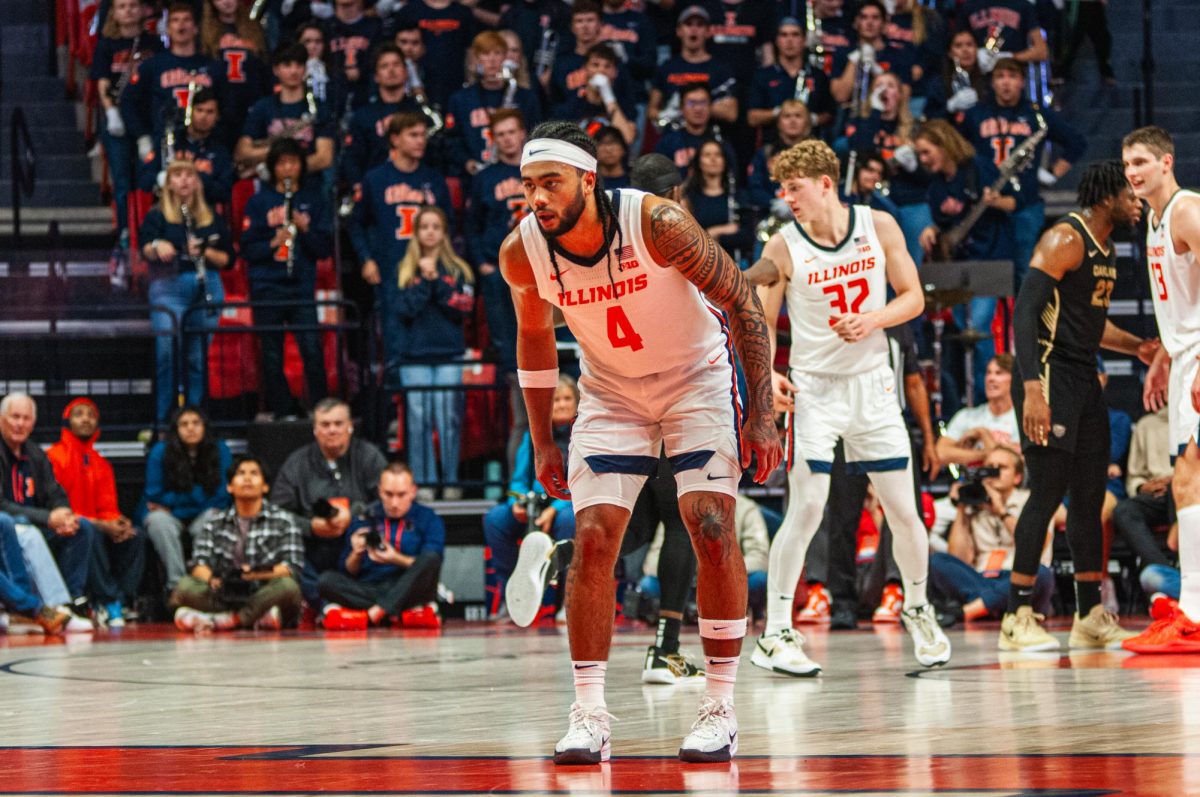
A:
[833,266]
[633,276]
[1172,243]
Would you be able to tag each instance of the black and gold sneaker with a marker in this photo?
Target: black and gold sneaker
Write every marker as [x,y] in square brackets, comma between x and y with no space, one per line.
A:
[668,668]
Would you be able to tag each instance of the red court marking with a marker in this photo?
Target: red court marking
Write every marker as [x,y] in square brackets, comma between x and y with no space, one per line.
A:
[251,770]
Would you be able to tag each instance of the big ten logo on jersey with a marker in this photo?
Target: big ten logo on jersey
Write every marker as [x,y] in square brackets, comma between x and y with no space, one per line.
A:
[1156,271]
[627,258]
[1003,135]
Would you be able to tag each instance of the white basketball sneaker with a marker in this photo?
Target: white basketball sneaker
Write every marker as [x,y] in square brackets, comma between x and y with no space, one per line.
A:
[714,733]
[587,739]
[189,619]
[784,653]
[929,642]
[527,584]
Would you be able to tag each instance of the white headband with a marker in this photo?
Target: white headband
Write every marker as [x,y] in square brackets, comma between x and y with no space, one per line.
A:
[539,150]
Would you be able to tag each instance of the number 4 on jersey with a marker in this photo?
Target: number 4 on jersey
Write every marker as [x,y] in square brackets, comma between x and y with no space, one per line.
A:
[620,331]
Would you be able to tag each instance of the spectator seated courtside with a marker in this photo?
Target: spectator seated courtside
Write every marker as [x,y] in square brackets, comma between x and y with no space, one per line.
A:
[391,559]
[246,562]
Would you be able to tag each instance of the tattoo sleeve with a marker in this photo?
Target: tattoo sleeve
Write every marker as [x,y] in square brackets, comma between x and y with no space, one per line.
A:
[685,245]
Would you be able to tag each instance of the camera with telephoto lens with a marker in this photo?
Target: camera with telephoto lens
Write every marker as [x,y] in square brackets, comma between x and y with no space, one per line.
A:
[322,508]
[374,540]
[971,493]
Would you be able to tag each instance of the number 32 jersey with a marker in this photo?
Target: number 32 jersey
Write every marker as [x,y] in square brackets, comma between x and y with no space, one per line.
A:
[828,282]
[635,318]
[1174,284]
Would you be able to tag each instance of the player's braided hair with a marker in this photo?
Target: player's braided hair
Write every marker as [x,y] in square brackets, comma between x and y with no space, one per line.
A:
[1101,180]
[574,134]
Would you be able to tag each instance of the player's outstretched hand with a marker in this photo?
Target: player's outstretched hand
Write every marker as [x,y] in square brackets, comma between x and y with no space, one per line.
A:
[1154,389]
[550,472]
[782,393]
[760,438]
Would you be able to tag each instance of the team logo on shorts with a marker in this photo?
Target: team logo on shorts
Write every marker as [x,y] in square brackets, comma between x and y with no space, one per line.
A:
[1058,429]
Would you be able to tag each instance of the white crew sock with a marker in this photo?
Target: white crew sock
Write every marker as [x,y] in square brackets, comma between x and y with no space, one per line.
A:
[1189,561]
[720,675]
[589,682]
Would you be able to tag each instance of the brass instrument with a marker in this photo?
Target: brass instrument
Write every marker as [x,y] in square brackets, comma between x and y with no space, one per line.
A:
[310,97]
[135,59]
[416,87]
[508,72]
[289,220]
[197,260]
[994,41]
[547,51]
[802,94]
[256,10]
[668,117]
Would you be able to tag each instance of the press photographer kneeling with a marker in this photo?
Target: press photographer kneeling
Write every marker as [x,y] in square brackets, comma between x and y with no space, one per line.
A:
[974,574]
[245,561]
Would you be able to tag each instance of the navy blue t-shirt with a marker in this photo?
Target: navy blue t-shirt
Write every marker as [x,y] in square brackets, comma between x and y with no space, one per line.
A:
[447,34]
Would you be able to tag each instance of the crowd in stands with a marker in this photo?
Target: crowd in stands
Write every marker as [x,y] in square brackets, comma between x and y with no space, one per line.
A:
[244,150]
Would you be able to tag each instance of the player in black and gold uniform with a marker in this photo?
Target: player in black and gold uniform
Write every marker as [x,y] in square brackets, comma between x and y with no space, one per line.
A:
[1061,322]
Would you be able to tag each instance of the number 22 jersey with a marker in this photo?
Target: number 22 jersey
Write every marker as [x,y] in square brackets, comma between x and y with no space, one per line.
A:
[828,282]
[635,318]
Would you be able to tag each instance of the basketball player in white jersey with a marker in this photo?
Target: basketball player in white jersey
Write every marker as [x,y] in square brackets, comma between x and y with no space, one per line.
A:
[643,288]
[833,266]
[1172,244]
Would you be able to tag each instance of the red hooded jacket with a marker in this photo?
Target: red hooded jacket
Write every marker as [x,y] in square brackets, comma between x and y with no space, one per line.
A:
[86,476]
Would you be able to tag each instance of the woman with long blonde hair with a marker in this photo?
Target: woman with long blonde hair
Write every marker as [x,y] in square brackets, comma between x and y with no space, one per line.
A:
[229,35]
[436,295]
[174,248]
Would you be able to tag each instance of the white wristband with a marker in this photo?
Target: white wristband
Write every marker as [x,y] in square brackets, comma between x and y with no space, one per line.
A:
[546,378]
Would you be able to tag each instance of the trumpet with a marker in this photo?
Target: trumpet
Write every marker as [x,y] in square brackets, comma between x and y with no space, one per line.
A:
[289,220]
[416,88]
[547,50]
[668,117]
[813,39]
[256,10]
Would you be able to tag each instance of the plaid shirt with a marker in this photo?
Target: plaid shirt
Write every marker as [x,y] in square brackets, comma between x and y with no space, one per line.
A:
[274,538]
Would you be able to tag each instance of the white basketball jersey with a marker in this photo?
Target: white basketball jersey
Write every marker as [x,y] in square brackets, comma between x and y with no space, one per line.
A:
[635,319]
[1174,284]
[825,282]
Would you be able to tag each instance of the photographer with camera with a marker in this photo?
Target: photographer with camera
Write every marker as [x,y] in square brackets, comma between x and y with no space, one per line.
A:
[391,559]
[528,508]
[975,573]
[246,561]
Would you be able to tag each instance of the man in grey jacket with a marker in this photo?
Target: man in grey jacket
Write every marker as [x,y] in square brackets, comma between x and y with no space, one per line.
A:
[326,484]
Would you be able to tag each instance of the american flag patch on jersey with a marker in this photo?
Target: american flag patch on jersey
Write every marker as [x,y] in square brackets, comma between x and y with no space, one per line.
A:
[625,253]
[860,242]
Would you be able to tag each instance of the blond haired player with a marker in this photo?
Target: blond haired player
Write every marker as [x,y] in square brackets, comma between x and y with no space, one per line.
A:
[1172,240]
[833,265]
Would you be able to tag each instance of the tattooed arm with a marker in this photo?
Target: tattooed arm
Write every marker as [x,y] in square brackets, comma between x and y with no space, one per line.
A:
[536,351]
[775,260]
[675,239]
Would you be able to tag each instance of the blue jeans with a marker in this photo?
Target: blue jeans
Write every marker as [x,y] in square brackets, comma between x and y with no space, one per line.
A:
[1026,226]
[16,588]
[116,568]
[120,155]
[983,310]
[501,531]
[178,293]
[43,570]
[914,218]
[1160,578]
[960,582]
[427,410]
[72,555]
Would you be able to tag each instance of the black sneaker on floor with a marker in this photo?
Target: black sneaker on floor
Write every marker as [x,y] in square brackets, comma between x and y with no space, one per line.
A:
[842,618]
[668,668]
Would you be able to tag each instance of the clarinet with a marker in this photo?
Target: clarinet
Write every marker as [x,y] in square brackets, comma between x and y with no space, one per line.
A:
[310,97]
[187,109]
[135,58]
[197,261]
[509,73]
[288,193]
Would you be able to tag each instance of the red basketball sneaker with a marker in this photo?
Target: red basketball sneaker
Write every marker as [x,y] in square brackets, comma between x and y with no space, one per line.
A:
[421,617]
[1173,634]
